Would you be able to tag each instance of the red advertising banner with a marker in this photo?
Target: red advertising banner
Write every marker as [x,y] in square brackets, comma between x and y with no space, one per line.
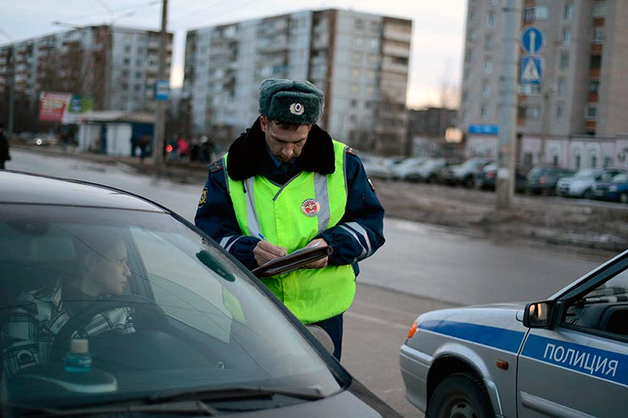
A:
[52,106]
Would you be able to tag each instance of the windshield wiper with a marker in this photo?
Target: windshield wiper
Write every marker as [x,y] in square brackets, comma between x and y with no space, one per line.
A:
[225,394]
[191,407]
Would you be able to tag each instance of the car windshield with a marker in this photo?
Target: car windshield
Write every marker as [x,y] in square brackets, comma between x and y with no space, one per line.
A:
[586,173]
[157,307]
[620,178]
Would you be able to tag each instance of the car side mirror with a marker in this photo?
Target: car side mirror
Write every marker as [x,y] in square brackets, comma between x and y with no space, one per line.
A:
[539,315]
[322,336]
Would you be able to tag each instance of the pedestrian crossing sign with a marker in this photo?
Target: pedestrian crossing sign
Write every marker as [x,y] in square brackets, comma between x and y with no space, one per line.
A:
[531,70]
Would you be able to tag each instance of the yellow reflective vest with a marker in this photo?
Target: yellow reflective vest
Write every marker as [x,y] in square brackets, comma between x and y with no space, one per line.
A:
[291,216]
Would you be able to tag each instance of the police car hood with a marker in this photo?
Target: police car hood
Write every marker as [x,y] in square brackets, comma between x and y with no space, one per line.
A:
[480,319]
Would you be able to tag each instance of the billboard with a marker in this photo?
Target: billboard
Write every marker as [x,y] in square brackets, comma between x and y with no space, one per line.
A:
[52,106]
[63,107]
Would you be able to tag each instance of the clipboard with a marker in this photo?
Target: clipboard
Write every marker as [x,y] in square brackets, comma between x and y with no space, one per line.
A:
[292,261]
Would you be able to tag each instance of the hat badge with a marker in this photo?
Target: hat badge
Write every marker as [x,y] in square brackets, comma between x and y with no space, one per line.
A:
[310,207]
[297,109]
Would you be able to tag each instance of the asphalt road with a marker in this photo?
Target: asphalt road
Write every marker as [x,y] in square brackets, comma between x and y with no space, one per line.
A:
[421,268]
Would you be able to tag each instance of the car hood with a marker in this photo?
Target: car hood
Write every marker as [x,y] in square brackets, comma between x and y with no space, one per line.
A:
[499,325]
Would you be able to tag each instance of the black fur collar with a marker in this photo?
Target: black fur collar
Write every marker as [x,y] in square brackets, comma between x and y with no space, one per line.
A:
[247,154]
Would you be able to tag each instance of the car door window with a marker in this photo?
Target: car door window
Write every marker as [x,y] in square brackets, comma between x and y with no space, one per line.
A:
[603,309]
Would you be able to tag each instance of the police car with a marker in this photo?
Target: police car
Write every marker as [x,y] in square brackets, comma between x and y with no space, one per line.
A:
[566,356]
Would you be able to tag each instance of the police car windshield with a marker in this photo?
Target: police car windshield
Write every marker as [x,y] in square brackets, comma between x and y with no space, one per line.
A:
[160,309]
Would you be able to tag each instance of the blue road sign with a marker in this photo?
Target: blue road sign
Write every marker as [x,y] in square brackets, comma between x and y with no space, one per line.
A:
[484,129]
[532,40]
[531,70]
[162,90]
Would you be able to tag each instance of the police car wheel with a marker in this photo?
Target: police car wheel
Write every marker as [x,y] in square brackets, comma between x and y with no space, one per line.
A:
[623,198]
[460,396]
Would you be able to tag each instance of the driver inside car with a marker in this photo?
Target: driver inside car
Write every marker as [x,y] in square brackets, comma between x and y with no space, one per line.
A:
[28,338]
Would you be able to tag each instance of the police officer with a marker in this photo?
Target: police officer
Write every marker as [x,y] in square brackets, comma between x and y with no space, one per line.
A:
[286,184]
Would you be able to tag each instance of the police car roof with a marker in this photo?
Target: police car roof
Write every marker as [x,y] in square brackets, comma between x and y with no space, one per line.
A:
[27,188]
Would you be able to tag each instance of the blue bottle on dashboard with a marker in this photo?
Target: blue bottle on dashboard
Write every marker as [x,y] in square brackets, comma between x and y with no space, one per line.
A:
[78,359]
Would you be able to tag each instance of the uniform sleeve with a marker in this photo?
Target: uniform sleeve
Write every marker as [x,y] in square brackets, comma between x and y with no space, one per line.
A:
[216,217]
[361,230]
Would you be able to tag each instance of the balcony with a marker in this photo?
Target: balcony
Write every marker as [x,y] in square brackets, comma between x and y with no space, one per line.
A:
[397,35]
[396,50]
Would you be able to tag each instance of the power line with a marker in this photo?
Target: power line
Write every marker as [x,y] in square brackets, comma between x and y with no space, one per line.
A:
[235,5]
[122,9]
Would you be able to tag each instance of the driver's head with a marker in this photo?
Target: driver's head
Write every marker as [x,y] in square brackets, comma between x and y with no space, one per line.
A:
[103,262]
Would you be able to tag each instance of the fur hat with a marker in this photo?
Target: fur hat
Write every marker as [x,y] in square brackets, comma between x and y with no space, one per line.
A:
[291,101]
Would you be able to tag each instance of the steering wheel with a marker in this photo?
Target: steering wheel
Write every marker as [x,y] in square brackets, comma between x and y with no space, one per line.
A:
[149,313]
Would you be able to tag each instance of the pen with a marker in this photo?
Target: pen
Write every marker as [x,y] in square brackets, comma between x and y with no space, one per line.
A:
[261,236]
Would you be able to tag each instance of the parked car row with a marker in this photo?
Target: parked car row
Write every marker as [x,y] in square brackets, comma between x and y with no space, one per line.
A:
[590,183]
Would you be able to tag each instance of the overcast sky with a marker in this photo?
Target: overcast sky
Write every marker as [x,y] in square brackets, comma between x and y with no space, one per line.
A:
[437,41]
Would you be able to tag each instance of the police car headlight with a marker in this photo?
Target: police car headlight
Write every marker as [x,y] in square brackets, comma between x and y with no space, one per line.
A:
[612,189]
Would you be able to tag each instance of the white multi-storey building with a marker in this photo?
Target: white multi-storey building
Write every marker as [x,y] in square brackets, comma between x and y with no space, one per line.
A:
[115,66]
[359,60]
[575,117]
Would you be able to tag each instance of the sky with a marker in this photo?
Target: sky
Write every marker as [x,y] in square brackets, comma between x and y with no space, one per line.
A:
[437,34]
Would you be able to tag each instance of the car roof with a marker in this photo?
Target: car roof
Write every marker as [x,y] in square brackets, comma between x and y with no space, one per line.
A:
[27,188]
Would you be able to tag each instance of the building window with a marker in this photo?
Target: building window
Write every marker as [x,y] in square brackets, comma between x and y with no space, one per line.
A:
[469,55]
[598,35]
[493,2]
[594,86]
[599,9]
[568,14]
[486,89]
[465,96]
[562,85]
[488,65]
[484,112]
[472,16]
[528,14]
[578,162]
[127,49]
[533,112]
[560,112]
[608,161]
[488,43]
[541,13]
[566,36]
[564,60]
[594,161]
[555,161]
[596,62]
[355,73]
[471,36]
[359,24]
[490,19]
[590,111]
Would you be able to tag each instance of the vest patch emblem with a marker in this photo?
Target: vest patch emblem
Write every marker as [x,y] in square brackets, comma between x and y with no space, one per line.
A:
[297,109]
[310,207]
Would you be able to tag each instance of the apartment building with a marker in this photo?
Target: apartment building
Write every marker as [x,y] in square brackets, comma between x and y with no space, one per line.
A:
[359,60]
[115,67]
[575,115]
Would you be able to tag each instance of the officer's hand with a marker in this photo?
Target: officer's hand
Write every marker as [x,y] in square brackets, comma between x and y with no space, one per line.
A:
[264,251]
[318,264]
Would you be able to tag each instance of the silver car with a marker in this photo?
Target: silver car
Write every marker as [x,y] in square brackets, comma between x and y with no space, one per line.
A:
[566,356]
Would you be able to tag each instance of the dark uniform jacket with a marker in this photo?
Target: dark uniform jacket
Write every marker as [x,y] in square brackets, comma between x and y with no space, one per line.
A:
[248,156]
